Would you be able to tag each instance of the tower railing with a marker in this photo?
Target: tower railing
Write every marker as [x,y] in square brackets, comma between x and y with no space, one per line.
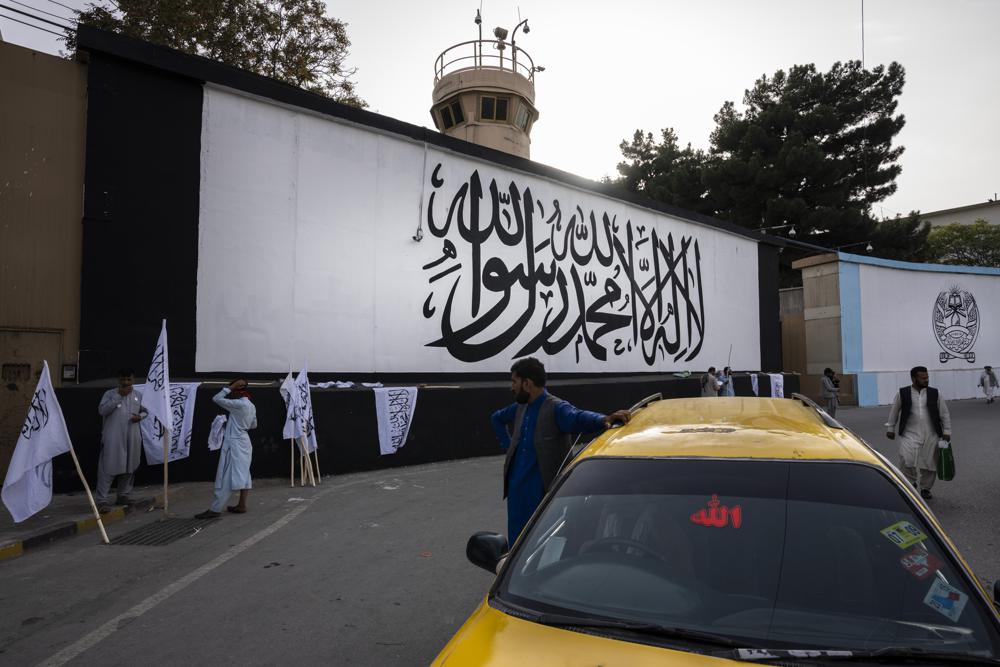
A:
[493,54]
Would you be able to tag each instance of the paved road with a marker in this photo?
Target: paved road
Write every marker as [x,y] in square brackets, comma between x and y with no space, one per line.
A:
[368,569]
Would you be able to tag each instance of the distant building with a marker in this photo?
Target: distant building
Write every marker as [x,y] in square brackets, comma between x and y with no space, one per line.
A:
[965,215]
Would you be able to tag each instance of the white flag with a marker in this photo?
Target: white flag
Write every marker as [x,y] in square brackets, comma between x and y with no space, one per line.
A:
[754,384]
[777,385]
[28,486]
[305,410]
[394,408]
[182,399]
[289,392]
[217,433]
[157,395]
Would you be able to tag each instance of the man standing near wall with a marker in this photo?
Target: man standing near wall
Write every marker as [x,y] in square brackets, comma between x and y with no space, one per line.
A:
[121,441]
[921,418]
[710,383]
[830,391]
[988,381]
[538,441]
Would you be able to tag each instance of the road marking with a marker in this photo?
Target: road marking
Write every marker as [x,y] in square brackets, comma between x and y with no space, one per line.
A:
[90,640]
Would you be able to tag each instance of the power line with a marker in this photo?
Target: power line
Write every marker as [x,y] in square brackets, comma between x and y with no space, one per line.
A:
[31,25]
[72,9]
[32,16]
[41,10]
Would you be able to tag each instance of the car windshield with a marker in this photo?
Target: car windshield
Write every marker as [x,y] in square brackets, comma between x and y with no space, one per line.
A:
[770,553]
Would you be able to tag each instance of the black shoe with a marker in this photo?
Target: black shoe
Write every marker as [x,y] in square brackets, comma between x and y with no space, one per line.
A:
[208,514]
[926,494]
[124,500]
[104,509]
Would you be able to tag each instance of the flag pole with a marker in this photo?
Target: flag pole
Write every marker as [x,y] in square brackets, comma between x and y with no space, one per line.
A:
[319,478]
[291,445]
[90,497]
[308,459]
[166,460]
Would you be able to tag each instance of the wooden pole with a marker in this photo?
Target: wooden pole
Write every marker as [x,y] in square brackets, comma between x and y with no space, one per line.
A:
[90,498]
[319,478]
[305,453]
[291,444]
[166,460]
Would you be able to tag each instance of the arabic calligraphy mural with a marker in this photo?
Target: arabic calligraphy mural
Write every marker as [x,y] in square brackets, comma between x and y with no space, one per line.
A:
[520,274]
[956,324]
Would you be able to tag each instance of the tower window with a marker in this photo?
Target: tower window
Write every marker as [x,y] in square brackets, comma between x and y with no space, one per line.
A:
[522,116]
[493,108]
[451,114]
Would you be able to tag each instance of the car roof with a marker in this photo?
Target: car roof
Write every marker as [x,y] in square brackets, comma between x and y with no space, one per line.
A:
[735,427]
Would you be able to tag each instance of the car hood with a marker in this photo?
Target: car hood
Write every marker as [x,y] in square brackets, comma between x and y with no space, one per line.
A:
[490,638]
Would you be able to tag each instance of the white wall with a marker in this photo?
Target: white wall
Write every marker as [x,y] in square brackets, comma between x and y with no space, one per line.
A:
[898,314]
[306,255]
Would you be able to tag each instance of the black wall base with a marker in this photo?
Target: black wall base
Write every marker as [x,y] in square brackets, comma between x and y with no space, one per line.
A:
[448,423]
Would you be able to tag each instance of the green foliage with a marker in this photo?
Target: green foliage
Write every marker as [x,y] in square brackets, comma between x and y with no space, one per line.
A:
[977,244]
[809,149]
[288,40]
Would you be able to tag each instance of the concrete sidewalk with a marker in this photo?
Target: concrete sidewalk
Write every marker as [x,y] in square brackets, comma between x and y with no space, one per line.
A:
[70,514]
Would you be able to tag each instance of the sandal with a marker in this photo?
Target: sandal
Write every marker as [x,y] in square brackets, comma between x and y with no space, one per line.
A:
[236,509]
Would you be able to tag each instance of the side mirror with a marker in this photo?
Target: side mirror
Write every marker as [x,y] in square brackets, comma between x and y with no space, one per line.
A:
[486,550]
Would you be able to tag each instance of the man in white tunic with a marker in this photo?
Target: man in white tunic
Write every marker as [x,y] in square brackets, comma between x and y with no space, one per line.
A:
[921,418]
[988,381]
[121,441]
[233,473]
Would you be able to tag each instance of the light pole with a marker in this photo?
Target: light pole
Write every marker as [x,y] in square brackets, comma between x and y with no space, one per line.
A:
[513,45]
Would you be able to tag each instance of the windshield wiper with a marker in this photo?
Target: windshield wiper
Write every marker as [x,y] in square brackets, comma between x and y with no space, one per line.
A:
[652,629]
[891,653]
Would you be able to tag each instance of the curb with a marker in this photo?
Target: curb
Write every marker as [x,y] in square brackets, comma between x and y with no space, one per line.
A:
[46,536]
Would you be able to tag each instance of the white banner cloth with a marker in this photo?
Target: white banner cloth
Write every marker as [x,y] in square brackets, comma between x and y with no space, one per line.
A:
[217,433]
[754,384]
[28,486]
[394,407]
[777,385]
[293,425]
[182,399]
[156,398]
[306,418]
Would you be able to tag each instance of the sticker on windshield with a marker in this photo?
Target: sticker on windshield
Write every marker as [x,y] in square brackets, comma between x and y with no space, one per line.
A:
[718,515]
[946,599]
[921,564]
[903,534]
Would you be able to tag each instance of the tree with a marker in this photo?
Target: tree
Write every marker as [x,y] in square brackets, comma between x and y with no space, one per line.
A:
[809,149]
[288,40]
[664,171]
[977,244]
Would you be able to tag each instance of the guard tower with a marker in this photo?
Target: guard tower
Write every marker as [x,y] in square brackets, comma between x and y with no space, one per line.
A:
[484,92]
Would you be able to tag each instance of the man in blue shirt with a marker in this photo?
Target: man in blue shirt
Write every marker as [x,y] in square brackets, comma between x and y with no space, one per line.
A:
[535,432]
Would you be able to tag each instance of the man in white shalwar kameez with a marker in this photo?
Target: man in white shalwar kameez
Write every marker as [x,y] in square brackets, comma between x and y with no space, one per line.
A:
[988,381]
[121,441]
[233,473]
[921,417]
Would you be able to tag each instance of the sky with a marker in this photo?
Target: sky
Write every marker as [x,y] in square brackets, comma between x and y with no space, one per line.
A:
[614,67]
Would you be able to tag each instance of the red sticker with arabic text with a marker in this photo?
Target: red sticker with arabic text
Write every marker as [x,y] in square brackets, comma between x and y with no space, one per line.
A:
[717,515]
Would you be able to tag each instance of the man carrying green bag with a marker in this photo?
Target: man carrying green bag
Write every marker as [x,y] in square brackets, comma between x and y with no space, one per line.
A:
[921,418]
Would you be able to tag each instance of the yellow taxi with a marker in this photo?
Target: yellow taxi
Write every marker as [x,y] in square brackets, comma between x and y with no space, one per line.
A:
[715,531]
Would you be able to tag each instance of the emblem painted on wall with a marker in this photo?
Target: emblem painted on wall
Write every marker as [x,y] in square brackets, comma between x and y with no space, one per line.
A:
[956,324]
